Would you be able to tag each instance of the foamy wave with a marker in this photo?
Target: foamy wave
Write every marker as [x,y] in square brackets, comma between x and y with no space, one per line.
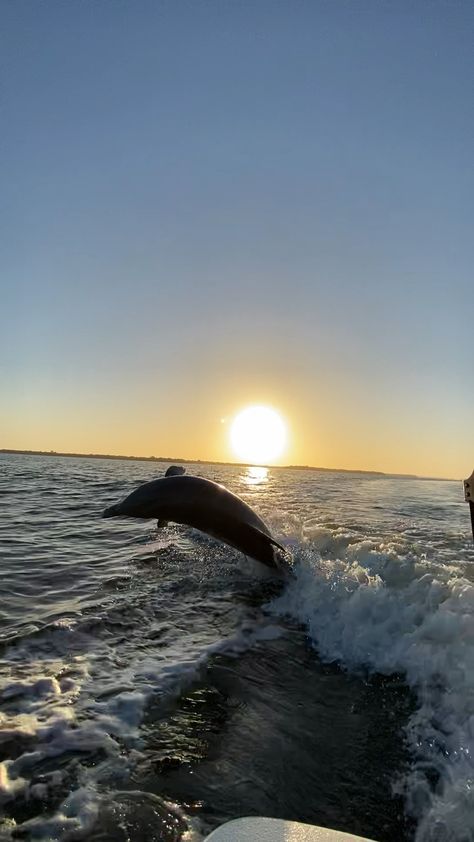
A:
[380,607]
[51,715]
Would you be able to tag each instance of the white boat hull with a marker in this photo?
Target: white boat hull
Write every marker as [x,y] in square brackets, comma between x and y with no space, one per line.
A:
[278,830]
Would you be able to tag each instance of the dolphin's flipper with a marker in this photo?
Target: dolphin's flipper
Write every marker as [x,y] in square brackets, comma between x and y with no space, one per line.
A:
[282,560]
[175,471]
[257,538]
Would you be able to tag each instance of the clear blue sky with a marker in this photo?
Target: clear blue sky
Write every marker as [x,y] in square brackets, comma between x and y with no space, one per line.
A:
[209,204]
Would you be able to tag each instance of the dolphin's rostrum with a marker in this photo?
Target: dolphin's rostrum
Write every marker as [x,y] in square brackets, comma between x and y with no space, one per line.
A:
[204,505]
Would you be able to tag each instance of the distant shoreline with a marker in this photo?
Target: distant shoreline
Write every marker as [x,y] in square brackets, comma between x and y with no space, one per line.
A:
[180,460]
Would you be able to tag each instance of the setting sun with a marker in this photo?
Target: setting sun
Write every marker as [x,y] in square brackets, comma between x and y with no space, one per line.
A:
[258,434]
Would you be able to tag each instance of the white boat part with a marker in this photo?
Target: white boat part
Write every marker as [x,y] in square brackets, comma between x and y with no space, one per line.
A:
[278,830]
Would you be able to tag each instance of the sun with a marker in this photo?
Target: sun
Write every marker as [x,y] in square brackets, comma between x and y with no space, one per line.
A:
[258,435]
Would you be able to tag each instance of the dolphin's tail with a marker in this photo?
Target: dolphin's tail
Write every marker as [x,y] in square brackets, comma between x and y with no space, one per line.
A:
[112,511]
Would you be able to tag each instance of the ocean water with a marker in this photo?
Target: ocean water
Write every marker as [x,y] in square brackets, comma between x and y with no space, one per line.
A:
[156,683]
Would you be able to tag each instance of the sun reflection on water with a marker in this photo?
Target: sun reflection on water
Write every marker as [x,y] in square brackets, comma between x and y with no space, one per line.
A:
[255,476]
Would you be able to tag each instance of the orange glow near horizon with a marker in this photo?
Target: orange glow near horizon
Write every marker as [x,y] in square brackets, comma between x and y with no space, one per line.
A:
[134,422]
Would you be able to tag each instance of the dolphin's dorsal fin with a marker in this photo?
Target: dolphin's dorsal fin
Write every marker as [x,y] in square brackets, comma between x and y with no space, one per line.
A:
[175,471]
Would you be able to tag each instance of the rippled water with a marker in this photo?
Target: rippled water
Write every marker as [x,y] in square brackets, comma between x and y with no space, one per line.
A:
[154,684]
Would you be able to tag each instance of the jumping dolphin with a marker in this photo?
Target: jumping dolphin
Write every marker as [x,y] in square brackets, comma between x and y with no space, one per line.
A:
[204,505]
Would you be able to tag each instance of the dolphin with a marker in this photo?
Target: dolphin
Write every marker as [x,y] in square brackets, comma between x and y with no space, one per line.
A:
[175,471]
[204,505]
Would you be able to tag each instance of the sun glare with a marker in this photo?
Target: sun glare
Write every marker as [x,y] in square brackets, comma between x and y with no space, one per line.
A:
[258,435]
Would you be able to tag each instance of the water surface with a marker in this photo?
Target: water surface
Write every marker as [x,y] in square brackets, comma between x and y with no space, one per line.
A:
[155,683]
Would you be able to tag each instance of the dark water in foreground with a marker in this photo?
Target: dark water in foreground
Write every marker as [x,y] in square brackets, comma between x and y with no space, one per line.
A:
[154,684]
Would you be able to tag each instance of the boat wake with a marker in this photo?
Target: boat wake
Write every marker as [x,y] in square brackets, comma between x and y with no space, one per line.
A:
[154,663]
[381,607]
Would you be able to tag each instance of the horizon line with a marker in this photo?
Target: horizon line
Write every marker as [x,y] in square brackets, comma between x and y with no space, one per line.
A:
[181,460]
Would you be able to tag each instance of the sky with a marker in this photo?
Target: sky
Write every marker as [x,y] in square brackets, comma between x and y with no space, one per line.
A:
[208,205]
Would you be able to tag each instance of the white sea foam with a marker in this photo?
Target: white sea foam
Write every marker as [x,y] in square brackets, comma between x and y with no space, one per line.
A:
[51,716]
[76,816]
[378,606]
